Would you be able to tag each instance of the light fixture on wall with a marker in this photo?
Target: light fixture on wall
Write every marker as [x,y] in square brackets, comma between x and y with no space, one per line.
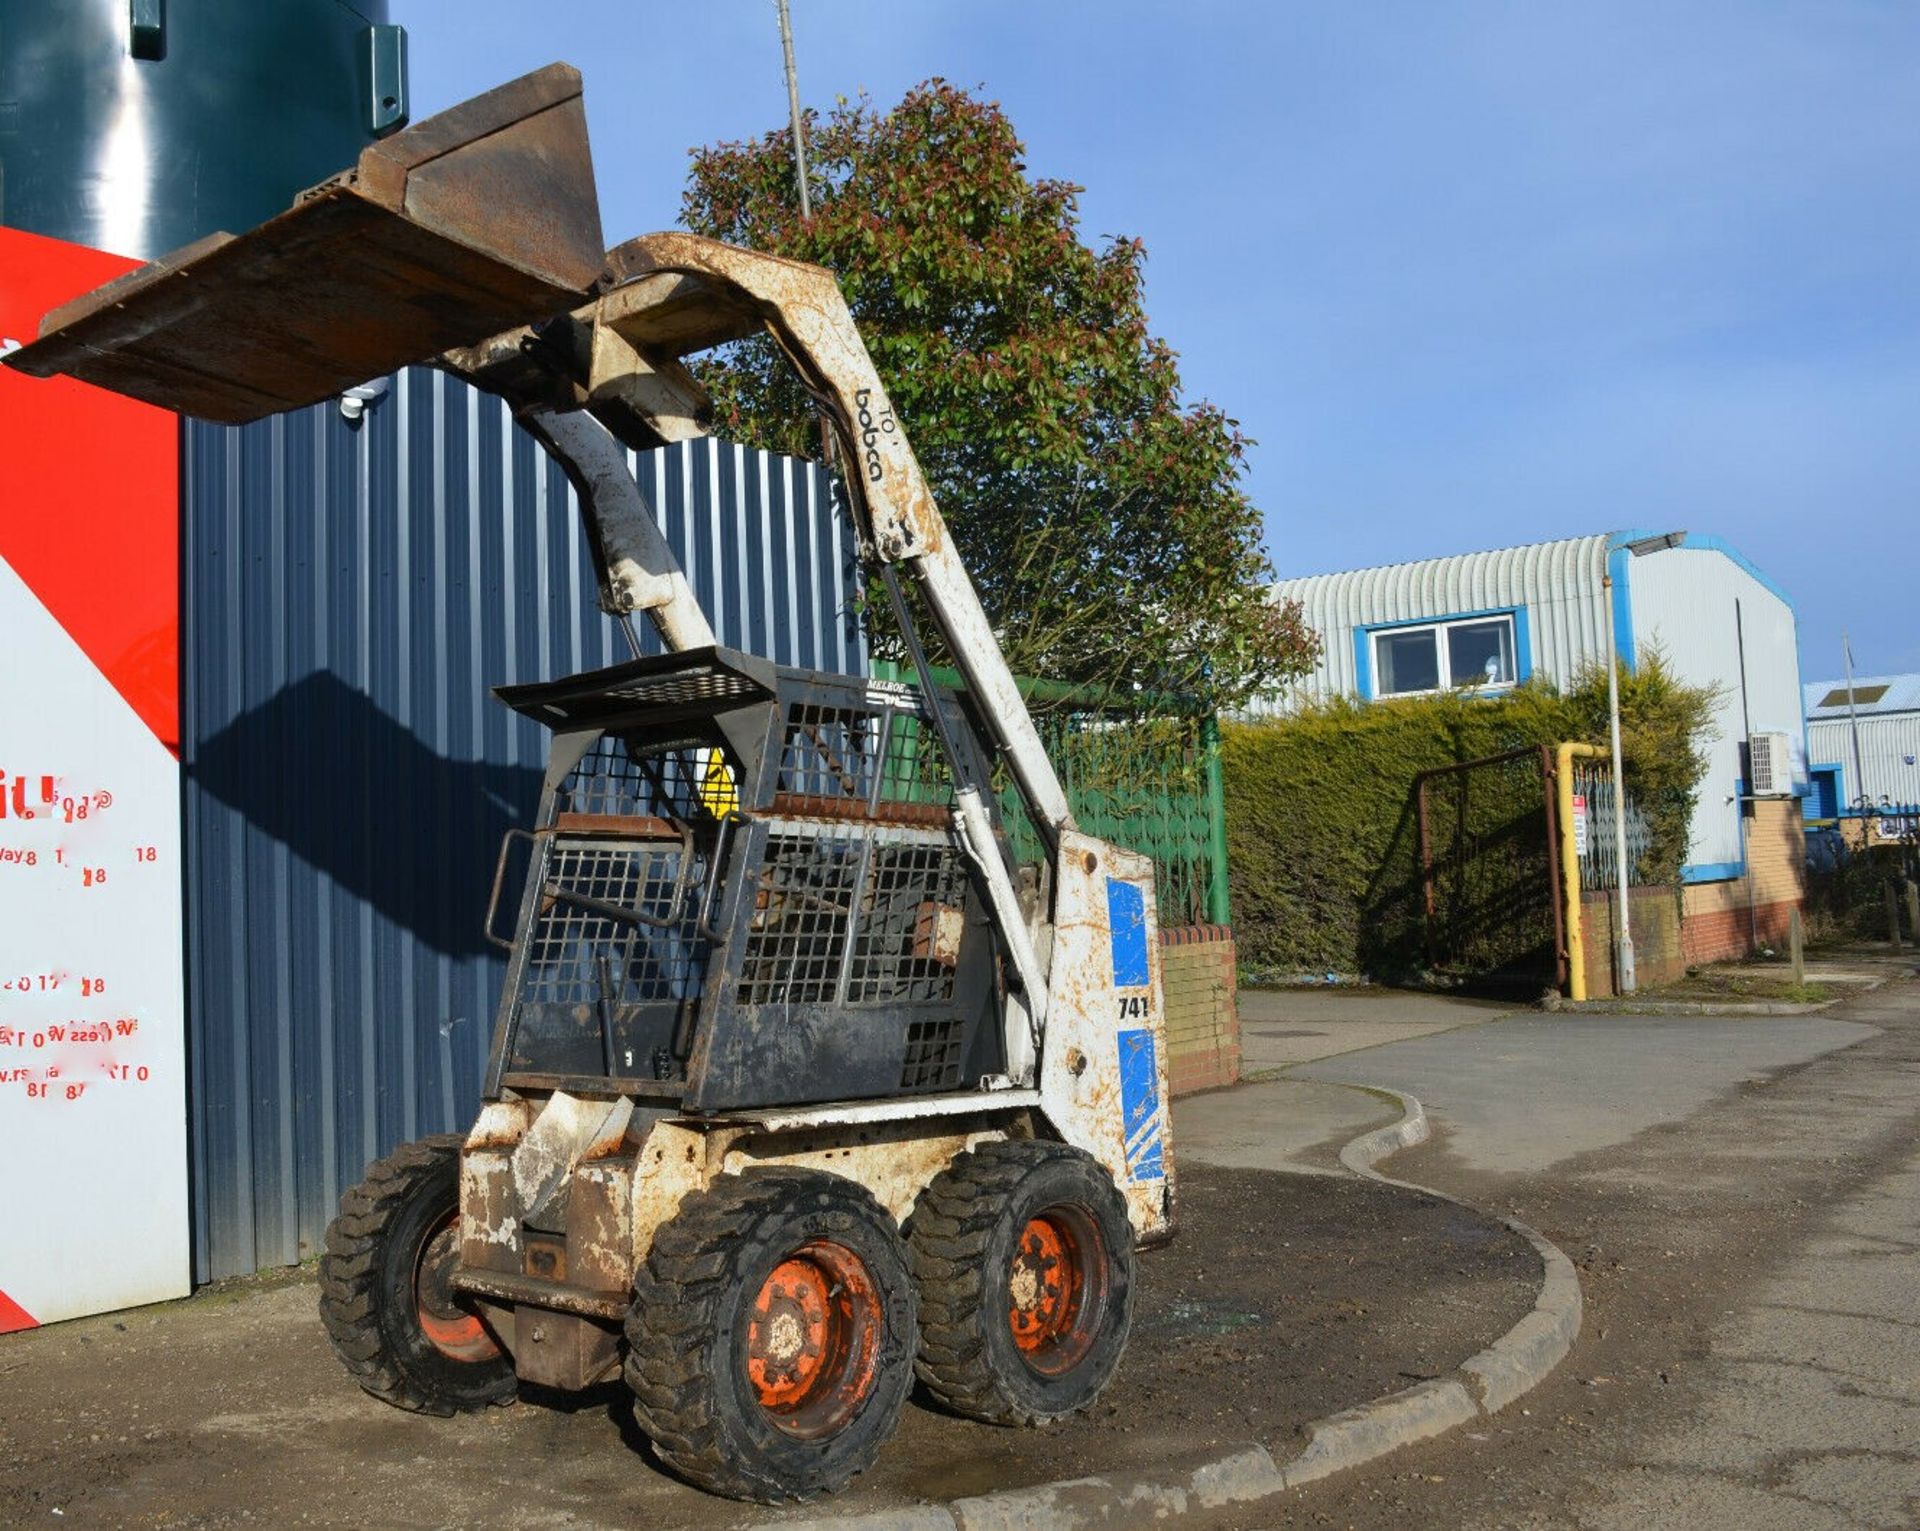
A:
[356,400]
[1641,546]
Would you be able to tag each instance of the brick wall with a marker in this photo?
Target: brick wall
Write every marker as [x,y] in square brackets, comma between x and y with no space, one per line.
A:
[1203,1019]
[1777,851]
[1715,925]
[1653,916]
[1723,934]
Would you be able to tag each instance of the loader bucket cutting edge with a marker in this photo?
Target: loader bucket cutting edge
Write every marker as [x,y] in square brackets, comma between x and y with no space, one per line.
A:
[466,224]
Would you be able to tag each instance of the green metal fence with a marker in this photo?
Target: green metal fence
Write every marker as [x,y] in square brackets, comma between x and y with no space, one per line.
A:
[1143,772]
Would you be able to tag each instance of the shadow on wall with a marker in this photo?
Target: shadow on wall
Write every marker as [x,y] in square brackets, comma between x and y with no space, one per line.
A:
[1492,927]
[1390,936]
[355,794]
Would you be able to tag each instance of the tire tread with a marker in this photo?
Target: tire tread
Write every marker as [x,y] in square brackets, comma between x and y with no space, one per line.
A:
[953,1224]
[350,1273]
[673,1329]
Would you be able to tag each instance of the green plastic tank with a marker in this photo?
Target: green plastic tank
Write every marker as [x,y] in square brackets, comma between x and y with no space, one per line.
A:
[137,126]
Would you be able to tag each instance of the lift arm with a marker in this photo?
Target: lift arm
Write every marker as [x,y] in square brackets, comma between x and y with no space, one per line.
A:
[474,237]
[470,239]
[677,294]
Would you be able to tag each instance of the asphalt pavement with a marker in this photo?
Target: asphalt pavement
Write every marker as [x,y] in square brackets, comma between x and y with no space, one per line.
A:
[1522,1093]
[1280,1028]
[1739,1195]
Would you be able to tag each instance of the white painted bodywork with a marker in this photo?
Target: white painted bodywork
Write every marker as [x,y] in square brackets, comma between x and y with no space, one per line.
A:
[1081,1086]
[893,1147]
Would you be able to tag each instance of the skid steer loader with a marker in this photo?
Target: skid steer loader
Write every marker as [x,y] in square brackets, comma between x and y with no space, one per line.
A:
[800,1084]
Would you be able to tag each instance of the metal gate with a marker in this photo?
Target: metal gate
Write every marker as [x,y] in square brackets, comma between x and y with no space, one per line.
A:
[1488,870]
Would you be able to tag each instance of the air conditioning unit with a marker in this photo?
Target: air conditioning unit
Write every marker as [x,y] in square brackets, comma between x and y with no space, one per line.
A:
[1770,768]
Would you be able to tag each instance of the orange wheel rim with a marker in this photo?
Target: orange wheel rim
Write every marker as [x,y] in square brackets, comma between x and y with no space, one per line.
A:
[813,1339]
[1056,1289]
[450,1326]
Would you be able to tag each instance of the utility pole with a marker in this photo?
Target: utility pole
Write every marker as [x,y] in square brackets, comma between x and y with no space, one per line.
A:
[1853,727]
[1623,938]
[793,109]
[800,171]
[1623,933]
[1746,797]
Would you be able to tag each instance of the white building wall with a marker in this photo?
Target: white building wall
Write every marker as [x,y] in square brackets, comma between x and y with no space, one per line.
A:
[1556,583]
[1682,601]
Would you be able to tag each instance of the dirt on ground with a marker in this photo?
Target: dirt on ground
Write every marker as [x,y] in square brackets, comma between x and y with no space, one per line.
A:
[1284,1298]
[1751,983]
[1771,978]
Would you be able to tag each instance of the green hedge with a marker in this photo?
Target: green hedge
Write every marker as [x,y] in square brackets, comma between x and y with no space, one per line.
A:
[1323,851]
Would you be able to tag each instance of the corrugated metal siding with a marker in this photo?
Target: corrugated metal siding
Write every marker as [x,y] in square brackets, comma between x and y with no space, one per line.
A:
[1902,695]
[350,595]
[1683,605]
[1557,582]
[1889,766]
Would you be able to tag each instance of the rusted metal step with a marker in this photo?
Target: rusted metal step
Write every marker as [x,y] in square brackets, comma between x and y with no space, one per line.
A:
[471,222]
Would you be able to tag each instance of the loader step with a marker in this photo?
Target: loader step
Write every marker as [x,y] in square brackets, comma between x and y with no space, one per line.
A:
[504,1286]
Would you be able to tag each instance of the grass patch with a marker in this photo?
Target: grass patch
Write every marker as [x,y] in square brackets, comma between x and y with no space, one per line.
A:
[1747,984]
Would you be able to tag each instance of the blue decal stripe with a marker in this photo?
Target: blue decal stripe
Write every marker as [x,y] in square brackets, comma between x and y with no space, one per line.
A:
[1127,923]
[1140,1106]
[1150,1164]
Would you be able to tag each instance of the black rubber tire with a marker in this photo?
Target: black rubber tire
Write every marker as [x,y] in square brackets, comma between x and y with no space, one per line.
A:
[688,1334]
[965,1236]
[367,1293]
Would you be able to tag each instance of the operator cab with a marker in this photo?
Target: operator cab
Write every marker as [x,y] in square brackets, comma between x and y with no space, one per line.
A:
[744,890]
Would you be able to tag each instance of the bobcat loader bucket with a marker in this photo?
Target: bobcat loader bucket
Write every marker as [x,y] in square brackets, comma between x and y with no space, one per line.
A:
[466,224]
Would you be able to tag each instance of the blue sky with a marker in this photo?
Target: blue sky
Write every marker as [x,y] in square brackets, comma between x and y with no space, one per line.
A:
[1470,273]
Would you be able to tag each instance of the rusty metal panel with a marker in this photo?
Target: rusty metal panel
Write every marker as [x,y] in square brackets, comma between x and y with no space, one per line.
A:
[1103,1082]
[351,593]
[472,222]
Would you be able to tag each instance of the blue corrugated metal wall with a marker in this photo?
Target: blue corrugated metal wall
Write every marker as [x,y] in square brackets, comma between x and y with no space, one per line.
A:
[350,594]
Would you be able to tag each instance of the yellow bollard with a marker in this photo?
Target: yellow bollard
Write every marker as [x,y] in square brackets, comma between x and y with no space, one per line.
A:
[1570,865]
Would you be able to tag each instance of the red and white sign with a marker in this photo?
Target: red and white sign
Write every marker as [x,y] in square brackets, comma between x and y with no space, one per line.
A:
[92,1010]
[1579,823]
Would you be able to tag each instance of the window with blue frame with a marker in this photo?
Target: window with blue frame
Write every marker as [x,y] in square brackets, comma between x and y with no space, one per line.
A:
[1476,652]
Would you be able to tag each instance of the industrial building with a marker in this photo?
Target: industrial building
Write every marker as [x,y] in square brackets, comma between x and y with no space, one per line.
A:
[1485,622]
[1863,752]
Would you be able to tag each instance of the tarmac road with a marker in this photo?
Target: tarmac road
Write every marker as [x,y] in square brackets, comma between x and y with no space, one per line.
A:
[1742,1204]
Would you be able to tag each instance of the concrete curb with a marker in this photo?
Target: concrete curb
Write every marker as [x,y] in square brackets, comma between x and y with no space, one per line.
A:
[1753,1007]
[1483,1384]
[1633,1004]
[1521,1358]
